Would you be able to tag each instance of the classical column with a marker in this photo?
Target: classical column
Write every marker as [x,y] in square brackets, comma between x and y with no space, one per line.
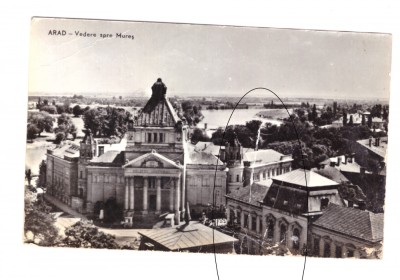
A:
[277,232]
[145,189]
[258,224]
[171,197]
[249,221]
[242,219]
[235,218]
[228,214]
[321,247]
[333,250]
[177,200]
[126,206]
[183,196]
[132,193]
[158,202]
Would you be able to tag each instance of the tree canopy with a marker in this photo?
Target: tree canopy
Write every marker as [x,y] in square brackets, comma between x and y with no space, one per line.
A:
[39,223]
[85,235]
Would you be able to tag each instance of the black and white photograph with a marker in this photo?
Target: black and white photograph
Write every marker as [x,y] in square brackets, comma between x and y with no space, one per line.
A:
[195,138]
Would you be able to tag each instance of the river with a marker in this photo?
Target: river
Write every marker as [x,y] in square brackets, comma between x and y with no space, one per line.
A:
[219,118]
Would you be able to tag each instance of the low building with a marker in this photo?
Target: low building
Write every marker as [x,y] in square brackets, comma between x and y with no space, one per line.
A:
[280,212]
[343,232]
[194,237]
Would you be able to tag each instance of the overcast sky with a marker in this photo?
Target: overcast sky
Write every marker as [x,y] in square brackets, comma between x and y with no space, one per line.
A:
[206,60]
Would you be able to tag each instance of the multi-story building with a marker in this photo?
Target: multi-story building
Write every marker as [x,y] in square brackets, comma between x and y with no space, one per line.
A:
[151,171]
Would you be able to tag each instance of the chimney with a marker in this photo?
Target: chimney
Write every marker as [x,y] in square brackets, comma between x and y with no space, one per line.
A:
[205,126]
[339,160]
[345,159]
[378,141]
[362,170]
[333,164]
[370,142]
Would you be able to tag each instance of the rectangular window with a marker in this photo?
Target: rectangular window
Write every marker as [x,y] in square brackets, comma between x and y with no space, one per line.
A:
[161,138]
[81,174]
[155,137]
[253,223]
[101,150]
[237,178]
[246,220]
[316,246]
[148,137]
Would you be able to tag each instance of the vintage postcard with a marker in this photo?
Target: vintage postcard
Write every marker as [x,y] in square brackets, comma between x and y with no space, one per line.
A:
[206,139]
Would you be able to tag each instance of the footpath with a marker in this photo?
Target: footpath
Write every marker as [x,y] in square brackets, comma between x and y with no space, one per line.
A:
[63,207]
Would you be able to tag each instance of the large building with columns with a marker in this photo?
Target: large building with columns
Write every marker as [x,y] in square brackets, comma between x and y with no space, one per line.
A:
[154,172]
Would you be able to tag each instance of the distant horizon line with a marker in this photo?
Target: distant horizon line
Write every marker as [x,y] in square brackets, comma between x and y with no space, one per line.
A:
[220,95]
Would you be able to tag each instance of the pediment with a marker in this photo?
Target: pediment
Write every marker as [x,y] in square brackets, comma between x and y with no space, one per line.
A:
[152,160]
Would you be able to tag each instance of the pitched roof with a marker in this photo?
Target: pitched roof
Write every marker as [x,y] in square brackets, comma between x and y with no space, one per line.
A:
[252,194]
[202,158]
[331,173]
[305,178]
[264,156]
[185,237]
[109,157]
[352,222]
[378,150]
[69,150]
[152,154]
[157,112]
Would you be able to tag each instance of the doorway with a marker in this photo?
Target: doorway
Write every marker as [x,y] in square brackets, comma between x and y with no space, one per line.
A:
[152,202]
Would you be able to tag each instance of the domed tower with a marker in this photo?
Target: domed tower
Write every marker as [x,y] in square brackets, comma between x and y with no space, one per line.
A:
[87,149]
[233,153]
[233,156]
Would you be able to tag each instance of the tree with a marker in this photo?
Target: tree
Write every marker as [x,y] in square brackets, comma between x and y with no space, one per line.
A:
[32,130]
[41,181]
[199,135]
[65,127]
[369,121]
[351,120]
[334,108]
[113,212]
[39,223]
[77,110]
[93,120]
[60,136]
[42,121]
[253,126]
[85,235]
[49,109]
[28,176]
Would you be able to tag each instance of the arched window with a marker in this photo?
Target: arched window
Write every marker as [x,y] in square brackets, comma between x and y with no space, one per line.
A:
[283,232]
[270,229]
[232,216]
[327,249]
[296,239]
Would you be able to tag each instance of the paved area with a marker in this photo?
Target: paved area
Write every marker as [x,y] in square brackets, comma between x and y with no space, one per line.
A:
[63,207]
